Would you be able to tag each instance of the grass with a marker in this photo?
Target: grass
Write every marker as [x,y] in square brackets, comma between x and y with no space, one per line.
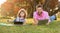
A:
[54,27]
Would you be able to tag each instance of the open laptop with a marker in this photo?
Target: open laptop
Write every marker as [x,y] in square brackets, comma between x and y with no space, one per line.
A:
[42,22]
[18,23]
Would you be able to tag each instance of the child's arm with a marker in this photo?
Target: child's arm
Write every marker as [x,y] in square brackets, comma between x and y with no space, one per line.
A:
[17,19]
[25,22]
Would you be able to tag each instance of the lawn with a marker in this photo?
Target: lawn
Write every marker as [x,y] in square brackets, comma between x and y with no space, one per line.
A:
[54,27]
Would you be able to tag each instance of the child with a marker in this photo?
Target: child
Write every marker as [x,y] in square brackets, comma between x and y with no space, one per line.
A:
[21,17]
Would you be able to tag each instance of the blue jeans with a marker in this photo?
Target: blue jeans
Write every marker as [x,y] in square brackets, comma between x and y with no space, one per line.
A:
[53,17]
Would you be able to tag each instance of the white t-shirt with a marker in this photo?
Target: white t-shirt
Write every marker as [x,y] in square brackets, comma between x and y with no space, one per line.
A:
[20,19]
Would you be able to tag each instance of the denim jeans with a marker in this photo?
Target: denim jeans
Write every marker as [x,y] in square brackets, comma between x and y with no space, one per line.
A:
[53,17]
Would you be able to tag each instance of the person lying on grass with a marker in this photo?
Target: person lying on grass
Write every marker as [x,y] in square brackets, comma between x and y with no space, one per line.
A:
[40,14]
[21,16]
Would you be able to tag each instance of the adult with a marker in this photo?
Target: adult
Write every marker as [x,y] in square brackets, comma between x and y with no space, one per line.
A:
[40,14]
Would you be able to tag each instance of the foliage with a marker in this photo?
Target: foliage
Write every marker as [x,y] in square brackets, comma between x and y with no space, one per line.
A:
[11,7]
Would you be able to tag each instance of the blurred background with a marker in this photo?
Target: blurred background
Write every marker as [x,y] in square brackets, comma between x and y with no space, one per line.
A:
[9,8]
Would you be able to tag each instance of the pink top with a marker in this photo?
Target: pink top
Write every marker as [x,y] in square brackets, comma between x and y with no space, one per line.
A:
[42,16]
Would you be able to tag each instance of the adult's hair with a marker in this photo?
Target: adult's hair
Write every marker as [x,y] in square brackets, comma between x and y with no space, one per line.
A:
[38,6]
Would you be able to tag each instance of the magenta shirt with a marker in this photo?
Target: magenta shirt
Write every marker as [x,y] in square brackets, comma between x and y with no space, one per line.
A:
[42,16]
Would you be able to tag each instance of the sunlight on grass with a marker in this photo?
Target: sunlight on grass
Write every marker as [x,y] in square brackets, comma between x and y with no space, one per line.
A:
[54,27]
[29,20]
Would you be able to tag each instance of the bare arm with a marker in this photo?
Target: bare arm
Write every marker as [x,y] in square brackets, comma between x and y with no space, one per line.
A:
[35,21]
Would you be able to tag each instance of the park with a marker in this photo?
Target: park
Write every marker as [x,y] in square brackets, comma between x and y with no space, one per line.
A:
[10,8]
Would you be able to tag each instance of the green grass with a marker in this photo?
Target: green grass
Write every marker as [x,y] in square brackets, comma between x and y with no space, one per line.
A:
[54,27]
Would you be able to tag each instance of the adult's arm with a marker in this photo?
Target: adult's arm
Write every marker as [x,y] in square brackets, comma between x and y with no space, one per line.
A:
[35,18]
[47,17]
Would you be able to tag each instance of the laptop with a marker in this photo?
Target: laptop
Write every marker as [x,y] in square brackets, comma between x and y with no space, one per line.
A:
[18,23]
[42,22]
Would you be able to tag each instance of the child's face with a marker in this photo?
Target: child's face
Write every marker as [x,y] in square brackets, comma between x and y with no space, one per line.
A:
[22,14]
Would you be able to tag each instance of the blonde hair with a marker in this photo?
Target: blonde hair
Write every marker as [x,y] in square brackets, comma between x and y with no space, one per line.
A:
[21,11]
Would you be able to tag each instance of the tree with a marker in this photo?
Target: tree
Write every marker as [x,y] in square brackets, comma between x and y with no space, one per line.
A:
[30,5]
[48,5]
